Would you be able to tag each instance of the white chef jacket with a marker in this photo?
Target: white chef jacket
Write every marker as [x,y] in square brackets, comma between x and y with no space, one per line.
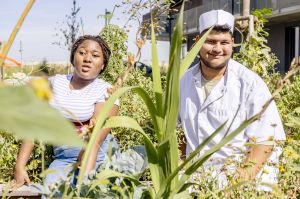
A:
[240,90]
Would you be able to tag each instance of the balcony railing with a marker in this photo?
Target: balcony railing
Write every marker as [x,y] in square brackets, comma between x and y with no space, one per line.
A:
[278,6]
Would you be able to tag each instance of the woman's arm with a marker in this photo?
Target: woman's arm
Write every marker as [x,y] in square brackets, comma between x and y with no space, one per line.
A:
[100,137]
[21,176]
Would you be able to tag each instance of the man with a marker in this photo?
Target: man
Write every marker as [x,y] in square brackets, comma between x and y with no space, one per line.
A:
[219,89]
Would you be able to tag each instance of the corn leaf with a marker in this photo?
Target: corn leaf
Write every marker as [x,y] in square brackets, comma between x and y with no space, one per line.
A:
[156,119]
[168,148]
[103,116]
[106,174]
[171,105]
[189,171]
[27,117]
[152,153]
[99,123]
[189,158]
[156,73]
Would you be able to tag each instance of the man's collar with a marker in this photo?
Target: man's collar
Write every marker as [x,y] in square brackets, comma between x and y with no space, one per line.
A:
[197,72]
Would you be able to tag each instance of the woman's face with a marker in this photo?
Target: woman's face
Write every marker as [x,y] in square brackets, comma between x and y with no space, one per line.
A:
[88,60]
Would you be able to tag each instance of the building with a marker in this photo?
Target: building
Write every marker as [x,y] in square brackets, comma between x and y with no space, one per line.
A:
[283,25]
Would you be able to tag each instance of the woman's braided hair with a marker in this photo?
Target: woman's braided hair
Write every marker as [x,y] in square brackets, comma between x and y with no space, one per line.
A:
[104,47]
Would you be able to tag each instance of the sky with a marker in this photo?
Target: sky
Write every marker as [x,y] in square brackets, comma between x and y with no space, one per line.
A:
[37,33]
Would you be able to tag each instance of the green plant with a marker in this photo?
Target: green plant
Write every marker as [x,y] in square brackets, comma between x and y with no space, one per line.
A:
[289,102]
[44,67]
[255,53]
[134,107]
[131,104]
[117,177]
[9,148]
[116,39]
[289,176]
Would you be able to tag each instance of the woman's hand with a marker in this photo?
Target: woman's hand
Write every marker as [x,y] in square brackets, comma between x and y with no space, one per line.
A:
[21,177]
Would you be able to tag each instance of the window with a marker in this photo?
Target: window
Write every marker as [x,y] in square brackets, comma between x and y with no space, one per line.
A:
[292,38]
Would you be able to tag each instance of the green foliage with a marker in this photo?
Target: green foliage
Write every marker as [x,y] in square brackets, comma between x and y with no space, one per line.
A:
[289,177]
[117,177]
[131,104]
[255,53]
[289,101]
[116,39]
[134,107]
[9,148]
[44,68]
[8,155]
[17,102]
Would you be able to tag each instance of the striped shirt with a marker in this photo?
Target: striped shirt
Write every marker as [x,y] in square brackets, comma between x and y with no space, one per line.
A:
[77,105]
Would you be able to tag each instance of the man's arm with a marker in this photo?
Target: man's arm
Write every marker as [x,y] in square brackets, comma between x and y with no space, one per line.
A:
[256,157]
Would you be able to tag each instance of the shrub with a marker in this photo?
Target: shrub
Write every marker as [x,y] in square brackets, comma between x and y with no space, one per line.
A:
[9,148]
[131,104]
[256,55]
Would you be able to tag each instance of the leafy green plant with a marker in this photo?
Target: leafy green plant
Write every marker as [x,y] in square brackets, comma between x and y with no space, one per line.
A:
[255,53]
[9,147]
[131,104]
[117,177]
[116,39]
[288,104]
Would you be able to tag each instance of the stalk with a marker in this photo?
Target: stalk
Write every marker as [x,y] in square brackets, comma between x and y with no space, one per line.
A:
[12,37]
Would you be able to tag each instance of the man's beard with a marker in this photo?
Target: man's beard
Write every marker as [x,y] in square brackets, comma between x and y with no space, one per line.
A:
[218,67]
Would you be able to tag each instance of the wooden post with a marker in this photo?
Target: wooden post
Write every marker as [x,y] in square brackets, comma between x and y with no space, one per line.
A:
[246,8]
[22,192]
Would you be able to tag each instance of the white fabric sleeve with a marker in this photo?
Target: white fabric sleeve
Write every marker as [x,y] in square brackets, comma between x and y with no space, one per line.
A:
[51,81]
[105,96]
[269,127]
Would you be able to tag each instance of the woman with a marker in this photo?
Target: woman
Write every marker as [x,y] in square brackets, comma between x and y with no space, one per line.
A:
[80,98]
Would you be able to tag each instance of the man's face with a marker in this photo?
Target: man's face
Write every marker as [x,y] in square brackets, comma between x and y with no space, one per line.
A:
[216,50]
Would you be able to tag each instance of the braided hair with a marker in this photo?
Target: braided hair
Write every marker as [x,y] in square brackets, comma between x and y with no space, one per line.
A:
[104,47]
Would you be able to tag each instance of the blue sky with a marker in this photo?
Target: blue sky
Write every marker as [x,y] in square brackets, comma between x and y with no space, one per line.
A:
[38,30]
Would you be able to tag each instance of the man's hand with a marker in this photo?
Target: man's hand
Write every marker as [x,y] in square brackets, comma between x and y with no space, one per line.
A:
[254,162]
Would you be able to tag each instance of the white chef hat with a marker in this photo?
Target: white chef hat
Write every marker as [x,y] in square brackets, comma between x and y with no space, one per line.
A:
[215,17]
